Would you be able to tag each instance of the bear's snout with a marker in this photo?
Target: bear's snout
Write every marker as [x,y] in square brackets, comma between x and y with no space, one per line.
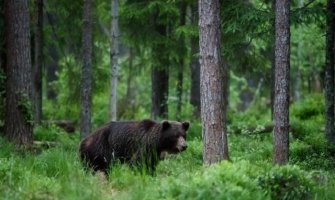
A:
[183,147]
[181,144]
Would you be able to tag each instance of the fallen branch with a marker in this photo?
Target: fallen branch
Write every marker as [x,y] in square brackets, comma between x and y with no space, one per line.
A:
[67,125]
[253,130]
[45,144]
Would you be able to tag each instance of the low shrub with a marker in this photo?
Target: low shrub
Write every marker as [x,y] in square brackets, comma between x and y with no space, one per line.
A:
[286,182]
[309,107]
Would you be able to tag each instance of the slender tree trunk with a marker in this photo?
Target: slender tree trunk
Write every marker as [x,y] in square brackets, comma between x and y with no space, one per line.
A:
[317,81]
[2,37]
[309,82]
[52,63]
[38,62]
[160,86]
[2,67]
[129,94]
[86,73]
[180,78]
[160,76]
[273,66]
[51,70]
[282,71]
[19,116]
[329,75]
[297,77]
[195,78]
[181,63]
[212,79]
[195,66]
[114,55]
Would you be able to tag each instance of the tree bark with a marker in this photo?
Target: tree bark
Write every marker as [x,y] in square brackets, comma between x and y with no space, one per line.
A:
[52,64]
[160,88]
[19,116]
[273,66]
[2,68]
[51,70]
[38,62]
[2,37]
[114,55]
[282,71]
[212,79]
[181,62]
[297,76]
[86,73]
[329,73]
[160,75]
[129,94]
[195,67]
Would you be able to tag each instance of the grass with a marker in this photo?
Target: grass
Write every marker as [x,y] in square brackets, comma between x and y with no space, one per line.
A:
[56,173]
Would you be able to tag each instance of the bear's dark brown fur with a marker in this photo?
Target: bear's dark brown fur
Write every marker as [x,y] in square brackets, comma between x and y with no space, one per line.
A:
[138,143]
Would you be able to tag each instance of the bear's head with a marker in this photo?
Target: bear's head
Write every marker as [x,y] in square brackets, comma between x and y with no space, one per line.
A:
[173,137]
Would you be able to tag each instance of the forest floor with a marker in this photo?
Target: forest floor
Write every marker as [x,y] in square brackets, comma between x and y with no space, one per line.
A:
[56,172]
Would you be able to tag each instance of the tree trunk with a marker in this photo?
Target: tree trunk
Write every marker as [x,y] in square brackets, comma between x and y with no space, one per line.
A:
[86,73]
[129,94]
[282,71]
[160,88]
[297,77]
[2,68]
[181,62]
[38,62]
[2,37]
[273,66]
[52,63]
[114,55]
[19,116]
[329,75]
[212,79]
[195,67]
[160,77]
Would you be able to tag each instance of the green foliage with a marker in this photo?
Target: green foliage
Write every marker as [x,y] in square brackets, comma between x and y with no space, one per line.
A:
[252,120]
[48,132]
[288,182]
[309,107]
[309,148]
[245,29]
[195,131]
[26,108]
[313,156]
[139,15]
[222,181]
[49,175]
[247,147]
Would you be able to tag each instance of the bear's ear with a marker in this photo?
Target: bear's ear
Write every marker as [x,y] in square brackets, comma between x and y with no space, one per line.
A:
[186,125]
[165,125]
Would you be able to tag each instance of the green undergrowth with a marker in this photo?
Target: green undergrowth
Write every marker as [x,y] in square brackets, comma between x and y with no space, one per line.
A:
[55,172]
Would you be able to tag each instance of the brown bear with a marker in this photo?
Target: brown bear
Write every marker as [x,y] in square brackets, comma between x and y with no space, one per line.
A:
[137,143]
